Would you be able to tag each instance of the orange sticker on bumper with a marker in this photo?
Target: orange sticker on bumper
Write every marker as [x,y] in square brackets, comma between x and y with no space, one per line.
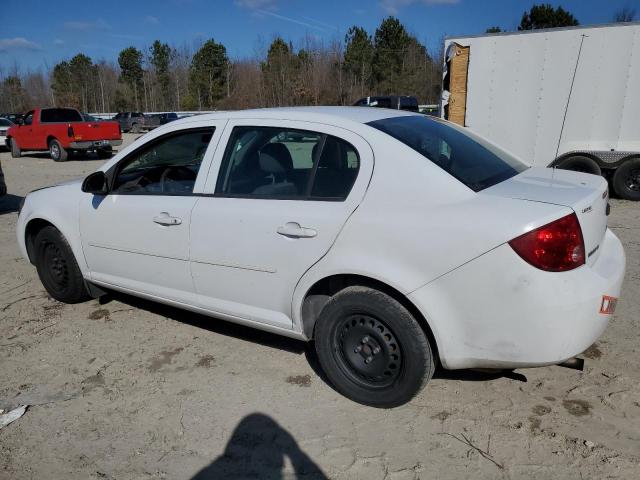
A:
[608,305]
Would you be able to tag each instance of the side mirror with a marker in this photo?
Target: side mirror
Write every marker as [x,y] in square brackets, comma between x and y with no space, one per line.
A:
[96,183]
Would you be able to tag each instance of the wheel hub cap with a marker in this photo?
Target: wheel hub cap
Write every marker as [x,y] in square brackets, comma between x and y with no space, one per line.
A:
[633,180]
[369,350]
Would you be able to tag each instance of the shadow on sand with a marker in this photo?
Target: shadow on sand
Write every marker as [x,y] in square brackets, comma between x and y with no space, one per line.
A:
[257,449]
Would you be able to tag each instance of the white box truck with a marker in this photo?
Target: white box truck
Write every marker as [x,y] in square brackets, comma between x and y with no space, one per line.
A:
[562,97]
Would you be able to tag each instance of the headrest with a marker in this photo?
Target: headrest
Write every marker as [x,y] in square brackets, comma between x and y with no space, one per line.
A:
[275,158]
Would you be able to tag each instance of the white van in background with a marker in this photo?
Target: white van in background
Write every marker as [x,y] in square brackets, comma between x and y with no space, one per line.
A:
[565,97]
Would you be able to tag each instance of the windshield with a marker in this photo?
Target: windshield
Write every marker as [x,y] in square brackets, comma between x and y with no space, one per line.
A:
[473,161]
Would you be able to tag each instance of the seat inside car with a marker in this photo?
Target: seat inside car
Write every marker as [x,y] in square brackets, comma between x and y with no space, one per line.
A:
[276,163]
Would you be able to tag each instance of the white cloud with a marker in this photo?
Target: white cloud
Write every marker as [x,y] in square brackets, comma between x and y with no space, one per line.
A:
[393,6]
[17,43]
[151,20]
[84,26]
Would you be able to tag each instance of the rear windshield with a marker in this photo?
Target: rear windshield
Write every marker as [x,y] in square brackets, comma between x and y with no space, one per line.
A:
[60,115]
[470,159]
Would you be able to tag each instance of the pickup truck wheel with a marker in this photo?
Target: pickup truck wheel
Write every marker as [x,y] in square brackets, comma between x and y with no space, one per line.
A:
[626,180]
[15,149]
[58,154]
[372,349]
[57,267]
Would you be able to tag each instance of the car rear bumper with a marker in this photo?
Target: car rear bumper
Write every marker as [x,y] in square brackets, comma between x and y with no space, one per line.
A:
[498,311]
[95,144]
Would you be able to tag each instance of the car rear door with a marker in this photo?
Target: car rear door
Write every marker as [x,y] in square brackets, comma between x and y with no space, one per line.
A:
[137,237]
[276,199]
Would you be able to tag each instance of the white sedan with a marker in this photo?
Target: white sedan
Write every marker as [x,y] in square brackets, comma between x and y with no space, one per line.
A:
[393,240]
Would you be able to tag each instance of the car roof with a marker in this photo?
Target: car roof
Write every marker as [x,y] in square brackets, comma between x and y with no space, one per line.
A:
[331,115]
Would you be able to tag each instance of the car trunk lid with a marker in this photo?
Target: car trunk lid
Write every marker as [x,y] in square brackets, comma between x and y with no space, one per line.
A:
[586,195]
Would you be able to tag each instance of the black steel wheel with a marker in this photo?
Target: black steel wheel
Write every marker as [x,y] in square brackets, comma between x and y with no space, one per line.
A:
[57,267]
[371,348]
[368,351]
[626,179]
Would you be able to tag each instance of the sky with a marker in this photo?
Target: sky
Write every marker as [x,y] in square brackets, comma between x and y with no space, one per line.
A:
[37,34]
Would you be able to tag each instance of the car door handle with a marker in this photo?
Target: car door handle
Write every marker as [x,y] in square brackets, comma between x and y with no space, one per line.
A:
[294,230]
[165,219]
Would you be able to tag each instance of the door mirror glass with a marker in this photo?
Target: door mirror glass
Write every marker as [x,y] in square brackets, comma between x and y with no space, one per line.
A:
[96,183]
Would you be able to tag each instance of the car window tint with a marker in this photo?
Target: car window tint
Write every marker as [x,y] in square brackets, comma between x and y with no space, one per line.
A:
[51,115]
[337,170]
[472,160]
[28,120]
[168,165]
[269,162]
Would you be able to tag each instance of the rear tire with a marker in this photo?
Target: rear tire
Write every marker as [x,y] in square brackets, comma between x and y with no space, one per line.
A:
[58,153]
[626,180]
[580,163]
[104,153]
[15,149]
[57,267]
[372,349]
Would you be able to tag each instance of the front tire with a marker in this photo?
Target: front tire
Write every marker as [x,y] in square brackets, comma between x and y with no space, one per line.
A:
[626,180]
[57,267]
[58,153]
[372,349]
[16,152]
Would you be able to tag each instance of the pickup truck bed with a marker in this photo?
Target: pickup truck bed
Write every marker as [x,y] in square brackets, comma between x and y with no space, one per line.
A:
[61,130]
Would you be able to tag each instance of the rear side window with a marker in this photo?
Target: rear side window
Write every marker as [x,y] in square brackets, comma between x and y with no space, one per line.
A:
[52,115]
[275,163]
[473,161]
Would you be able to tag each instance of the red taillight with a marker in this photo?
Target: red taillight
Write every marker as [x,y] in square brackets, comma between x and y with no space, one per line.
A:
[555,247]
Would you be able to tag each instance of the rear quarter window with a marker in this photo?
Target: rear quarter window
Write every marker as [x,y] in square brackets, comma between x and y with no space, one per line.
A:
[55,115]
[470,159]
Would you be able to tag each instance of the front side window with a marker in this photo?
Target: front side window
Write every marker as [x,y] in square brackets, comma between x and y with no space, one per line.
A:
[470,159]
[28,119]
[270,162]
[54,115]
[168,165]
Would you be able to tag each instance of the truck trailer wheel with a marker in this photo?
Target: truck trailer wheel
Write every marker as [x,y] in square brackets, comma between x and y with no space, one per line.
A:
[15,149]
[58,153]
[580,163]
[626,179]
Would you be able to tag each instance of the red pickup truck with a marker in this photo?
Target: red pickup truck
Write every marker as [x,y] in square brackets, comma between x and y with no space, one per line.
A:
[61,130]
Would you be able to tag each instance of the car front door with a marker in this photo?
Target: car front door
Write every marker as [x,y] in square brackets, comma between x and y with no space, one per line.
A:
[281,196]
[137,236]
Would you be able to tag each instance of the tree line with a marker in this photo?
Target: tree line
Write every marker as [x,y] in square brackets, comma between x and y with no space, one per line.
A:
[390,61]
[166,78]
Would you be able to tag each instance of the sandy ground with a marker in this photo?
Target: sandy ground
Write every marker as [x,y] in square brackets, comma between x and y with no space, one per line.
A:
[125,389]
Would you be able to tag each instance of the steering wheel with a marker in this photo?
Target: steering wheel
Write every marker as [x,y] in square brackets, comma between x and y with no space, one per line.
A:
[175,173]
